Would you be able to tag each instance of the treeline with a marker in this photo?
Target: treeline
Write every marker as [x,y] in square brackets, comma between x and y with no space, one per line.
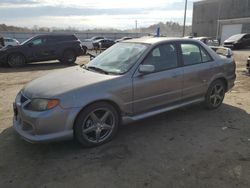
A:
[169,29]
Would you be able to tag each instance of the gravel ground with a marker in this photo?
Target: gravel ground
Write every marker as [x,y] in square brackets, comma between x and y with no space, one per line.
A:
[188,147]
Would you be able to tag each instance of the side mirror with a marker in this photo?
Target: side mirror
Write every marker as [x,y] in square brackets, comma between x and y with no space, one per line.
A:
[145,69]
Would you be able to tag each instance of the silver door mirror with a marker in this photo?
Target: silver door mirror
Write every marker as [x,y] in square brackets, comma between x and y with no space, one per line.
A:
[145,69]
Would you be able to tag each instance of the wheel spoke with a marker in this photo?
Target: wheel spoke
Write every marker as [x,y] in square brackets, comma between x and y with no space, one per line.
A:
[106,127]
[105,116]
[219,97]
[98,135]
[89,129]
[219,90]
[94,118]
[214,100]
[212,96]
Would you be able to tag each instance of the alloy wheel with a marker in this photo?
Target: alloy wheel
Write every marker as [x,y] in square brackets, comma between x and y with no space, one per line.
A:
[217,95]
[98,125]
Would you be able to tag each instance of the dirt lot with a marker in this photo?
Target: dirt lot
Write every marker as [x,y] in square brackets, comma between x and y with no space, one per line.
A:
[189,147]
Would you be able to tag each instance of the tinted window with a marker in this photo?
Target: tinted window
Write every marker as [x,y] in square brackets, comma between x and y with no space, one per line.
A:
[38,41]
[193,54]
[162,57]
[247,37]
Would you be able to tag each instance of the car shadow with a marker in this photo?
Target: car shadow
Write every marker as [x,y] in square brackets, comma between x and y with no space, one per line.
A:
[175,137]
[41,66]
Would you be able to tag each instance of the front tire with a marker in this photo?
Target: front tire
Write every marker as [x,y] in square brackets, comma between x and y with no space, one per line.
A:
[215,95]
[16,60]
[96,124]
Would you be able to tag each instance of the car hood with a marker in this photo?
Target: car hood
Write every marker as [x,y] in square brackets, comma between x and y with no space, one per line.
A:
[58,83]
[226,41]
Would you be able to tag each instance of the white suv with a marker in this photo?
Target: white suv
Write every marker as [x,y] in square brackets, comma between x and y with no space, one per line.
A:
[10,42]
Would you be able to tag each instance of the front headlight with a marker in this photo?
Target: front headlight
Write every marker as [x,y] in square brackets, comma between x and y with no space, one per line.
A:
[42,104]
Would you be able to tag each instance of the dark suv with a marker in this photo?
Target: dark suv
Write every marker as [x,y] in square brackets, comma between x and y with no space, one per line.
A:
[238,41]
[65,48]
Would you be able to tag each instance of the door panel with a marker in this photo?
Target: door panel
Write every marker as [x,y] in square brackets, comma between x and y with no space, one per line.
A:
[157,90]
[196,79]
[197,71]
[162,87]
[43,50]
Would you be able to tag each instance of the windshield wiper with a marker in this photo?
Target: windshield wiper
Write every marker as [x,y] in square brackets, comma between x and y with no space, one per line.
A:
[97,69]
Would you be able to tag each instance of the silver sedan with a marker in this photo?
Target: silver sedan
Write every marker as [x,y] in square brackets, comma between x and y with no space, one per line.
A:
[131,80]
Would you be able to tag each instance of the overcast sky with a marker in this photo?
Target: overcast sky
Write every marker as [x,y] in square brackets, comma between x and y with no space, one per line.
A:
[88,14]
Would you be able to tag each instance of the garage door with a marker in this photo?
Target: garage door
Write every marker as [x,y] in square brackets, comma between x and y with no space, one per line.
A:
[230,30]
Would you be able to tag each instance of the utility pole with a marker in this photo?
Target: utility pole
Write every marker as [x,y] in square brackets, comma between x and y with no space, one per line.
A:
[185,14]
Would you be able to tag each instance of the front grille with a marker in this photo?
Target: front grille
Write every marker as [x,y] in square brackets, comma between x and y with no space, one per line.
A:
[23,99]
[228,43]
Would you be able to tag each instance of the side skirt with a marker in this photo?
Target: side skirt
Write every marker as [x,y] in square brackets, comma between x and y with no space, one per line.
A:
[130,119]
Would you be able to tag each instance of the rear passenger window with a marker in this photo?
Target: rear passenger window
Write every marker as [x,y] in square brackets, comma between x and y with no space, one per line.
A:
[162,57]
[193,54]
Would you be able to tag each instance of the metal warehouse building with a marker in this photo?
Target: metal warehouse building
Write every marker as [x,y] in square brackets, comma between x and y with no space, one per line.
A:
[221,18]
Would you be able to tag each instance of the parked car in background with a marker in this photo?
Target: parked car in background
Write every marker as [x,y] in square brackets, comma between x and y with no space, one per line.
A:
[129,81]
[11,42]
[188,37]
[64,48]
[238,41]
[103,43]
[208,41]
[88,43]
[123,38]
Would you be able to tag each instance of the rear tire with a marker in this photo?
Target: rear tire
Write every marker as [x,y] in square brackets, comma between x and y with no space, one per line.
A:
[16,60]
[84,50]
[69,57]
[96,124]
[215,95]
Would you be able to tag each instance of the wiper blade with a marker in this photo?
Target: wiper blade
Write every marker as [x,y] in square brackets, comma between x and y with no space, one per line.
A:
[97,69]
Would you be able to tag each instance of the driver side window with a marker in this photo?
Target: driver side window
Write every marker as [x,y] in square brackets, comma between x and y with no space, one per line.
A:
[163,57]
[38,41]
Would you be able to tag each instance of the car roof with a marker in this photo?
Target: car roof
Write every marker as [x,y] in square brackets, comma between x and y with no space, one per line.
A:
[154,40]
[54,35]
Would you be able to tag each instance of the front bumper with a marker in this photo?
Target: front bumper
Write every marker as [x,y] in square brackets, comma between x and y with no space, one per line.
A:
[46,126]
[229,45]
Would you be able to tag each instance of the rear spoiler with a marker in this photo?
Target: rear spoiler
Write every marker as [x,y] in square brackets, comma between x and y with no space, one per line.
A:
[227,52]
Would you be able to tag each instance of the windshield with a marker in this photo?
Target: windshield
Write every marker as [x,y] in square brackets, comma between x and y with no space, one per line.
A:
[236,37]
[26,41]
[119,58]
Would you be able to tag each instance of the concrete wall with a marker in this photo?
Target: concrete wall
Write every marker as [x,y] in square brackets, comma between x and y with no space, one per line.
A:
[207,13]
[22,36]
